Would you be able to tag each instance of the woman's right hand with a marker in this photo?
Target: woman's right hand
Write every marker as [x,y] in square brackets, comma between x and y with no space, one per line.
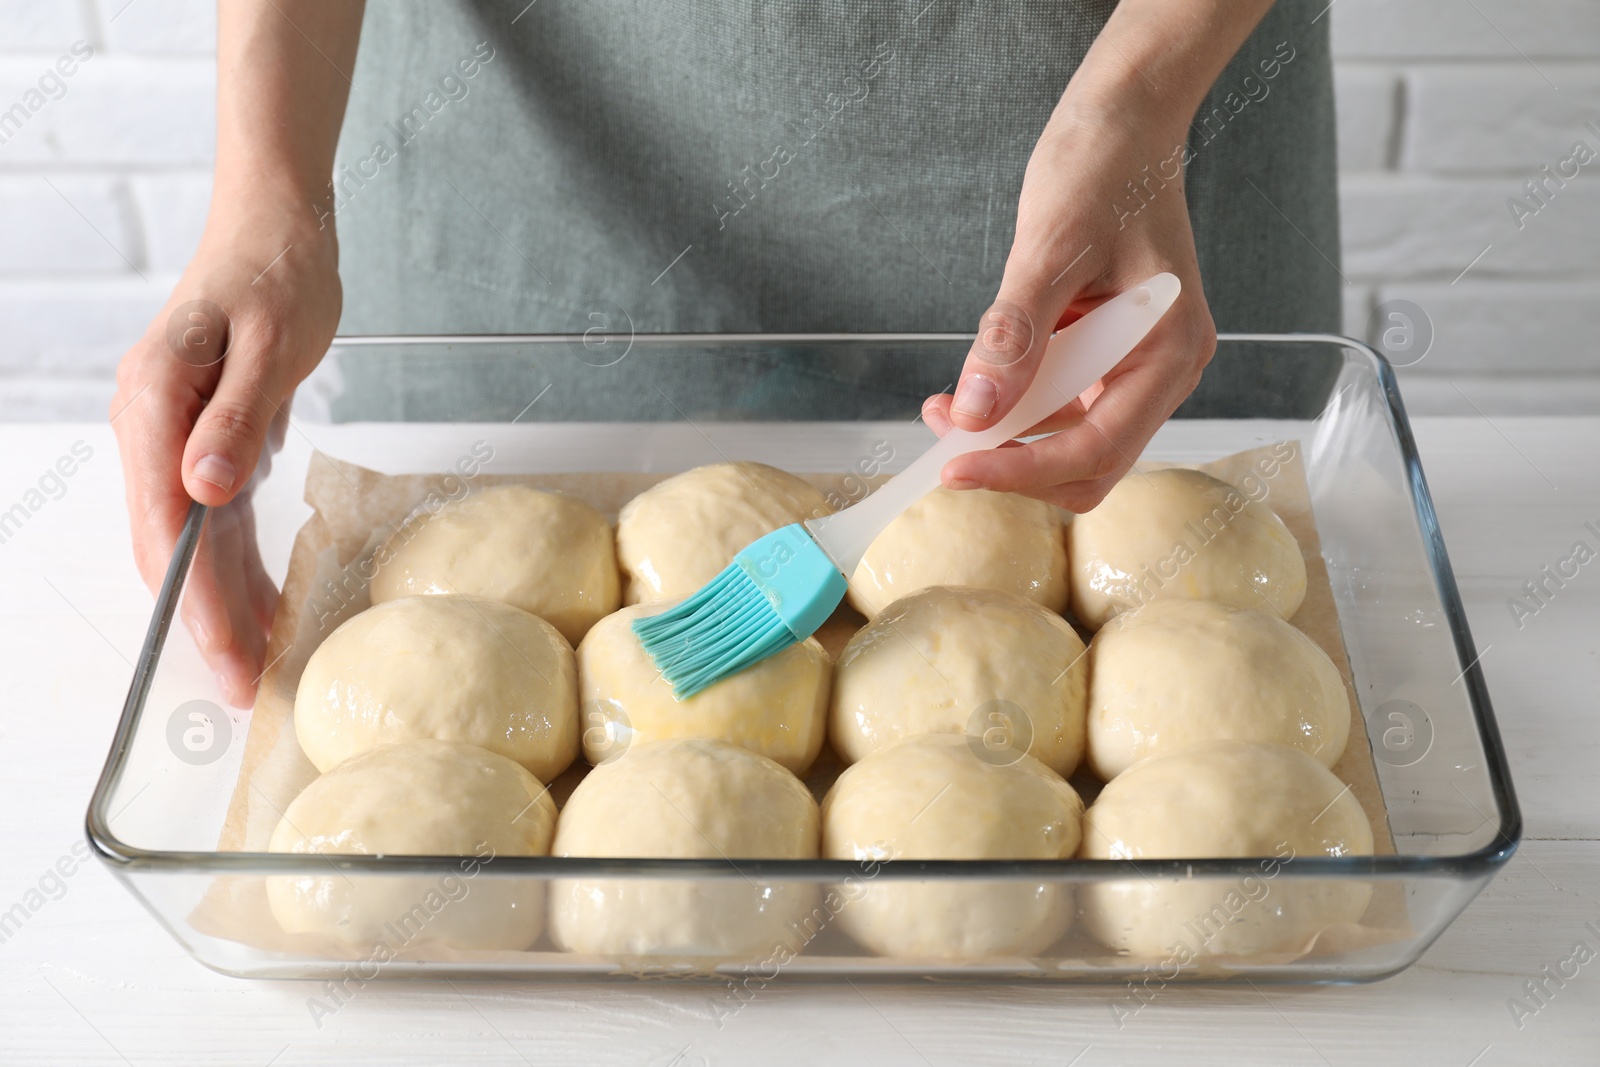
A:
[191,427]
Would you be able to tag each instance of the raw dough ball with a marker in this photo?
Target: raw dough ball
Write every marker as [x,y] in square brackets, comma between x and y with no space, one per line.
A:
[543,552]
[1181,534]
[778,708]
[450,667]
[1179,672]
[936,797]
[678,535]
[950,660]
[420,798]
[973,538]
[684,799]
[1223,799]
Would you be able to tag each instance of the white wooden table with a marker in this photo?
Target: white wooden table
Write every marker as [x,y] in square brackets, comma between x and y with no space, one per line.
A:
[89,978]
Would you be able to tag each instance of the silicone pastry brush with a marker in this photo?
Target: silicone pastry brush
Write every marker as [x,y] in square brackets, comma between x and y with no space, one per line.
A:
[779,589]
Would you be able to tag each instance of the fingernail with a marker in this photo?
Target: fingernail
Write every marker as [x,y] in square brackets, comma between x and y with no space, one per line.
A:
[201,634]
[963,483]
[975,396]
[216,470]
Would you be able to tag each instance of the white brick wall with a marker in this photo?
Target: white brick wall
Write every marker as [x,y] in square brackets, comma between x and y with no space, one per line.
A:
[1445,108]
[102,190]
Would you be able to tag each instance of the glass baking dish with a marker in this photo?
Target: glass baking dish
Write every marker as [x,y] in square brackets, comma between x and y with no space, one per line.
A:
[661,403]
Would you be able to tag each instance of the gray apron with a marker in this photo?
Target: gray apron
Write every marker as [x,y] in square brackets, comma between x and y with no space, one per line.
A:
[748,166]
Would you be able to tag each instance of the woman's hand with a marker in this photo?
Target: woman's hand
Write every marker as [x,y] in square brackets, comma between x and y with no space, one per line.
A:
[1102,209]
[1071,254]
[189,427]
[265,282]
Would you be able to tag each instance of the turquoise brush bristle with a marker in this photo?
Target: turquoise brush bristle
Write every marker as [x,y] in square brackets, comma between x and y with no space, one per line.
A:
[774,593]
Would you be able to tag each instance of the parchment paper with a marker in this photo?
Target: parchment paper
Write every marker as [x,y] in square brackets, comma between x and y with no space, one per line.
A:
[356,510]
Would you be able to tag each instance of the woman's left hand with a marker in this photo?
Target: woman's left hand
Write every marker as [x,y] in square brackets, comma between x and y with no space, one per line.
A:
[1102,209]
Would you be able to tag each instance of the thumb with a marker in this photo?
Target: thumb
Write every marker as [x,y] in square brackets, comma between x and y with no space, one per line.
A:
[228,436]
[1011,339]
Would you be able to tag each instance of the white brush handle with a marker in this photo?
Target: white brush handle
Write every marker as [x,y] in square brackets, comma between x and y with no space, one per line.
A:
[1073,360]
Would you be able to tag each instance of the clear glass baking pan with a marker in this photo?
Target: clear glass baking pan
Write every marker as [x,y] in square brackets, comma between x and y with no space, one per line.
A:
[609,402]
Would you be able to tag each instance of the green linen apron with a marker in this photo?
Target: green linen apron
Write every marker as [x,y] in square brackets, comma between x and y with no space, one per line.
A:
[777,167]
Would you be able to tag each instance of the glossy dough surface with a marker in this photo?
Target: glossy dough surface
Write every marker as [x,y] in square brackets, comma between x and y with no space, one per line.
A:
[677,535]
[778,708]
[1224,799]
[1179,672]
[447,667]
[687,799]
[955,660]
[937,797]
[975,538]
[545,553]
[1181,534]
[428,798]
